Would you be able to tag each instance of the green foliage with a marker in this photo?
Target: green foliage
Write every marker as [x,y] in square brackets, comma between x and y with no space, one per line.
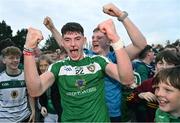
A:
[20,38]
[5,31]
[50,44]
[7,39]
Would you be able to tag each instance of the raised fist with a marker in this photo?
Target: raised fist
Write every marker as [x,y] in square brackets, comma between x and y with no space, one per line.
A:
[112,10]
[108,28]
[33,37]
[48,23]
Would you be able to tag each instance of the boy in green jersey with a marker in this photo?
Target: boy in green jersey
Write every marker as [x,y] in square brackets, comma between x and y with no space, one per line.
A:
[79,77]
[167,83]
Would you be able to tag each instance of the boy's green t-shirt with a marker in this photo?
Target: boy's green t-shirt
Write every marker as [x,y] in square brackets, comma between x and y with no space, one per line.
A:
[81,88]
[162,116]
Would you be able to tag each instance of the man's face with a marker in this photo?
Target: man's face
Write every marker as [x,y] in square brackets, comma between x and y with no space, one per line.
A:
[73,43]
[100,42]
[11,61]
[168,98]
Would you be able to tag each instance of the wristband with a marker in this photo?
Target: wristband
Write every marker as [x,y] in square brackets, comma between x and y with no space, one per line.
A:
[26,53]
[117,45]
[121,18]
[28,49]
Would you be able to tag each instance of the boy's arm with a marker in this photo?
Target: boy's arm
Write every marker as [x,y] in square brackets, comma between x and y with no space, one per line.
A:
[55,33]
[36,84]
[137,38]
[32,106]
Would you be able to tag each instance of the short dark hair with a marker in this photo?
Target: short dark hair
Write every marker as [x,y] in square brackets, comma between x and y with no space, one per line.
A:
[72,27]
[144,52]
[168,56]
[170,46]
[96,29]
[168,76]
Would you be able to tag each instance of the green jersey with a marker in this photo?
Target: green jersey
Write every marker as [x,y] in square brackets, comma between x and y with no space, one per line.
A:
[81,87]
[165,117]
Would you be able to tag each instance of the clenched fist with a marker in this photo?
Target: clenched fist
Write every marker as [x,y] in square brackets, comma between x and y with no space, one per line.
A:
[112,10]
[33,37]
[108,28]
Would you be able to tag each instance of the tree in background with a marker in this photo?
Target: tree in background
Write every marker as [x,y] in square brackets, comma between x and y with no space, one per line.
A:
[20,38]
[7,39]
[50,44]
[5,31]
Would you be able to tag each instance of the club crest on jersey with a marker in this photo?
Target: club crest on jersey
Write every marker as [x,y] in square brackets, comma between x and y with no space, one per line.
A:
[91,68]
[14,94]
[80,84]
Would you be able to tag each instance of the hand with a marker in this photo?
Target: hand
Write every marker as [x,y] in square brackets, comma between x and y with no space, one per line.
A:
[44,111]
[108,28]
[150,97]
[32,117]
[48,23]
[112,10]
[33,37]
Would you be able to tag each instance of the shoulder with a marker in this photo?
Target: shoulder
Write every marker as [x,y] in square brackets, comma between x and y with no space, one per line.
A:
[99,57]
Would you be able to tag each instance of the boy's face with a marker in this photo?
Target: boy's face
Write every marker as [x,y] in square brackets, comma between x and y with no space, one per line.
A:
[43,66]
[100,42]
[73,43]
[162,65]
[168,98]
[11,62]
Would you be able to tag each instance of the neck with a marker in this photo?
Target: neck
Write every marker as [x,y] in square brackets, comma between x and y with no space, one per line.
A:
[105,52]
[13,72]
[147,61]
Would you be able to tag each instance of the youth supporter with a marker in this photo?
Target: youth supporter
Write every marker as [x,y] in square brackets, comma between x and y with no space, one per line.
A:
[167,91]
[3,44]
[47,109]
[79,77]
[14,101]
[143,98]
[143,65]
[101,46]
[133,50]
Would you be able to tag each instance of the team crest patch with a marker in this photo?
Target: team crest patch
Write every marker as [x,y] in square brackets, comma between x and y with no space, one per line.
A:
[14,94]
[80,84]
[91,68]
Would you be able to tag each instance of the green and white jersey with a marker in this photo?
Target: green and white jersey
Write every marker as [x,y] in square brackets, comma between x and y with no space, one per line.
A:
[13,98]
[81,87]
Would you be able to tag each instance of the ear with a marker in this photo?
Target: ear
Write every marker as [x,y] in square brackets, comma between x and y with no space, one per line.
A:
[3,60]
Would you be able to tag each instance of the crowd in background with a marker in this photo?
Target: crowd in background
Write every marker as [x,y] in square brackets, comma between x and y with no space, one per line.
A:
[154,96]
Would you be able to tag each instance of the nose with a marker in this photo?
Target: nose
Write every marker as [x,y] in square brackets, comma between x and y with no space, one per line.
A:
[72,43]
[159,92]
